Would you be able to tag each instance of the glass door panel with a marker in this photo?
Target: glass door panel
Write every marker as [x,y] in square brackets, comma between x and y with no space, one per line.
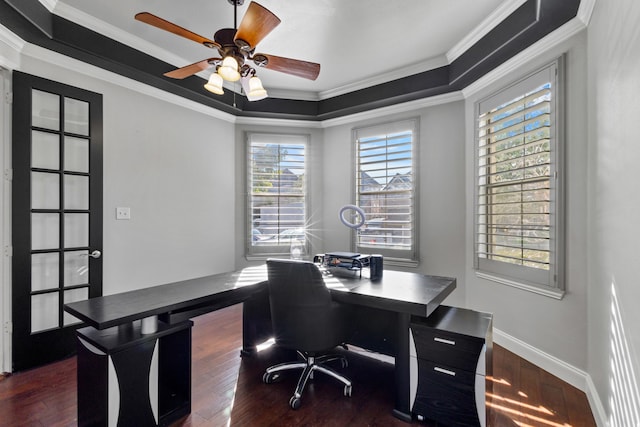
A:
[44,312]
[45,150]
[76,230]
[45,271]
[76,192]
[76,154]
[76,116]
[45,231]
[45,190]
[45,112]
[76,268]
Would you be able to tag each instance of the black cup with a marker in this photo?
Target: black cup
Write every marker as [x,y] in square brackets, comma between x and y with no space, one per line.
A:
[375,267]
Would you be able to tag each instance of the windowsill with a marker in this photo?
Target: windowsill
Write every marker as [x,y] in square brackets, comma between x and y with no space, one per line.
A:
[545,291]
[399,262]
[264,257]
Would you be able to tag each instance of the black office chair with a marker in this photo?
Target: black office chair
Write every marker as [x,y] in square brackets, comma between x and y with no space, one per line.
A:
[305,319]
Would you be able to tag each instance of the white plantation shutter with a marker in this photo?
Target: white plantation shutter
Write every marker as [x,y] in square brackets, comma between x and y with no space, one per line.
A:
[385,189]
[517,163]
[276,177]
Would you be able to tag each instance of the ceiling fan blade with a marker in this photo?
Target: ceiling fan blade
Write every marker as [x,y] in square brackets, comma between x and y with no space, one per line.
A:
[163,24]
[256,23]
[296,67]
[189,70]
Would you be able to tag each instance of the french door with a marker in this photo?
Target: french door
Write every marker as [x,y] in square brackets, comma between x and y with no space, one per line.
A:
[56,214]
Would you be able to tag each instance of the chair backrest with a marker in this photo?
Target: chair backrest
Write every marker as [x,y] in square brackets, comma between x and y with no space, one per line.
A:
[302,312]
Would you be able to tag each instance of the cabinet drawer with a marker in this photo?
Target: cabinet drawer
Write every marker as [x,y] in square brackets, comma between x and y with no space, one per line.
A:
[444,347]
[447,395]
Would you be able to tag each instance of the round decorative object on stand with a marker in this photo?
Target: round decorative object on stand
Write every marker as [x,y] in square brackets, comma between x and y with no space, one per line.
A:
[358,213]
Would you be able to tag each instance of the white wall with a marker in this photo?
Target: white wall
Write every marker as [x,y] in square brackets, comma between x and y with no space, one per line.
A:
[614,151]
[175,170]
[555,327]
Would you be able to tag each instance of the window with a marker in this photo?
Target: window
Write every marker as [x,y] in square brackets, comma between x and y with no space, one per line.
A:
[518,215]
[385,189]
[277,211]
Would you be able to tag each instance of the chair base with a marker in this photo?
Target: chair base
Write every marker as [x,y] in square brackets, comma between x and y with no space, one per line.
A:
[309,365]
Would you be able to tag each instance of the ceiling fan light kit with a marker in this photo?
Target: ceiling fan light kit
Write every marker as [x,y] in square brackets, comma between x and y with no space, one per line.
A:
[236,46]
[256,90]
[229,69]
[214,84]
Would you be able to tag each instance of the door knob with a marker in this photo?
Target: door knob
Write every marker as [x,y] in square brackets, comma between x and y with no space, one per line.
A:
[95,254]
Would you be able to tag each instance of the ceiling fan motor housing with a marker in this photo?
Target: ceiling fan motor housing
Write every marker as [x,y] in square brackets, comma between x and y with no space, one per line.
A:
[224,37]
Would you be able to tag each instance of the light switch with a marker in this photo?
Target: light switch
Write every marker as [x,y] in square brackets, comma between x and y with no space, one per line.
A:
[123,213]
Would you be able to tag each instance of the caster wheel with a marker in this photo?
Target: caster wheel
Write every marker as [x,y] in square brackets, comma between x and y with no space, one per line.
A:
[268,378]
[295,402]
[347,390]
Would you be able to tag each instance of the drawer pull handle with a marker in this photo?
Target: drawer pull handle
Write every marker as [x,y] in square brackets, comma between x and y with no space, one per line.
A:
[443,341]
[444,371]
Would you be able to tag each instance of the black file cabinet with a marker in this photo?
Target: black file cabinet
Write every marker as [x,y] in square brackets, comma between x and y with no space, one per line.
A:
[450,359]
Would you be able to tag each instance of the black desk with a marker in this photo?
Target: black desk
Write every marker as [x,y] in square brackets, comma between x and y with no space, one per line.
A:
[386,304]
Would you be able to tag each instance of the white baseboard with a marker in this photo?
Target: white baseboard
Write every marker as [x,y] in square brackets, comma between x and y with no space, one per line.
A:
[566,372]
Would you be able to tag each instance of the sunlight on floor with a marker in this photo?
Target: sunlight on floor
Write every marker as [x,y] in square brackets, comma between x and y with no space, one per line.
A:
[530,412]
[538,408]
[528,416]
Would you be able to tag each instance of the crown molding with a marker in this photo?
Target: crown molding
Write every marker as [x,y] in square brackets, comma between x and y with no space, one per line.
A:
[496,17]
[10,39]
[260,121]
[68,63]
[419,67]
[404,107]
[101,27]
[293,94]
[553,39]
[10,56]
[49,4]
[586,10]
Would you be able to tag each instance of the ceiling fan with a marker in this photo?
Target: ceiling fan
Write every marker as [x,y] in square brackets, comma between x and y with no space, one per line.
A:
[236,47]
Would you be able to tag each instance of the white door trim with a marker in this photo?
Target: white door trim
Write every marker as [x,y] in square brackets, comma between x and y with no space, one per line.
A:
[5,221]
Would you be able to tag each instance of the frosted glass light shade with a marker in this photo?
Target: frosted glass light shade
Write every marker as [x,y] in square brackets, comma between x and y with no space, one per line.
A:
[256,90]
[214,84]
[229,69]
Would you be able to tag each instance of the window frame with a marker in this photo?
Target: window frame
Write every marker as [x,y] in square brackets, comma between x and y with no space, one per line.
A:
[406,258]
[552,282]
[263,251]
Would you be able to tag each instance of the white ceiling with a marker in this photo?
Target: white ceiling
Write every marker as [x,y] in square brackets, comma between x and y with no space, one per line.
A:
[358,43]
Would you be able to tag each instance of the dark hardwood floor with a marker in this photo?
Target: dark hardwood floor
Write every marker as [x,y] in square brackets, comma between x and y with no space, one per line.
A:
[227,390]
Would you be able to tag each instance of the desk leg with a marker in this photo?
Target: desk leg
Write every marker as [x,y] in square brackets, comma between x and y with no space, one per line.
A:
[402,409]
[256,322]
